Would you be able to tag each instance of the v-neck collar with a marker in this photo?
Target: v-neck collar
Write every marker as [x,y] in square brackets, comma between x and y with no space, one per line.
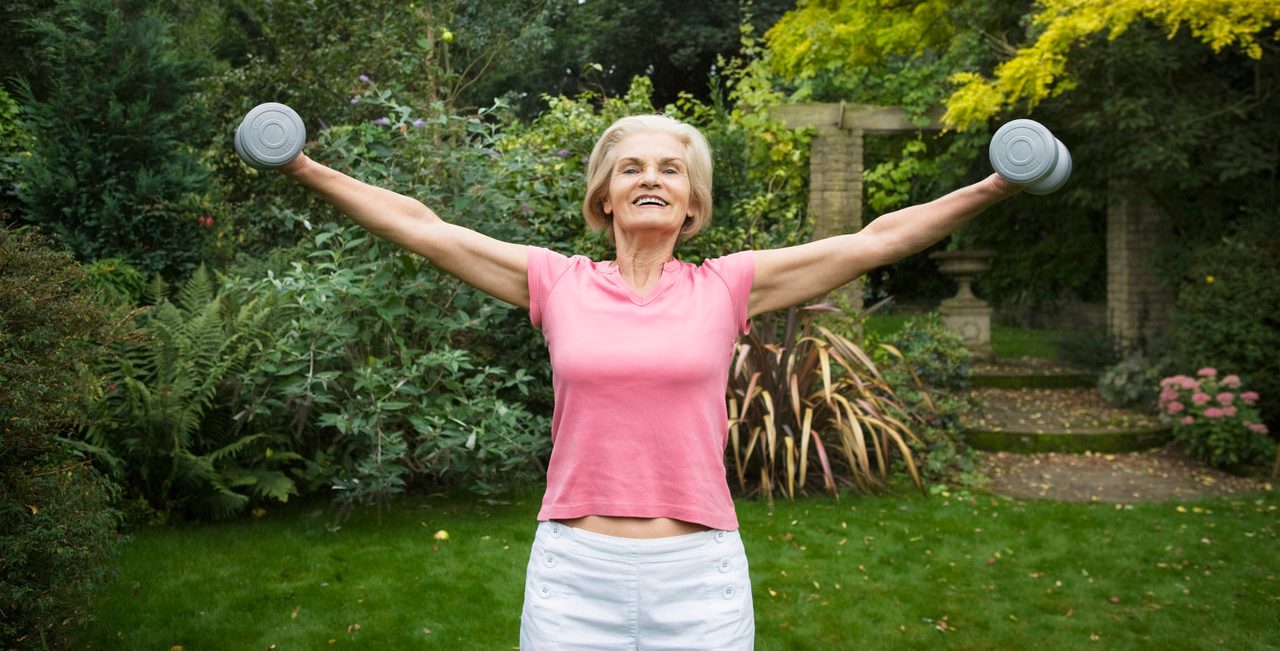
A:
[611,271]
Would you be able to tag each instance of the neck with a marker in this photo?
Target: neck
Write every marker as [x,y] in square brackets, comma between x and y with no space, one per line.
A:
[641,267]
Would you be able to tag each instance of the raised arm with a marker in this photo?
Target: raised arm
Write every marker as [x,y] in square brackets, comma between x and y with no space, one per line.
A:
[795,274]
[495,267]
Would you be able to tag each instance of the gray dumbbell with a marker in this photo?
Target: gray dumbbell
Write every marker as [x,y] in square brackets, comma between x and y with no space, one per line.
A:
[1025,152]
[270,136]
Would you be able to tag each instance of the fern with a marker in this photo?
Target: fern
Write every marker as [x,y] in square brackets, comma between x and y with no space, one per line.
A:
[167,416]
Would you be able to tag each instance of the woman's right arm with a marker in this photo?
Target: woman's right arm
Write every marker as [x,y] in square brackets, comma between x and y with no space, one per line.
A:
[495,267]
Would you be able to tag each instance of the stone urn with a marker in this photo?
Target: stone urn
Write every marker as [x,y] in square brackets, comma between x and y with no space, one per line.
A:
[965,314]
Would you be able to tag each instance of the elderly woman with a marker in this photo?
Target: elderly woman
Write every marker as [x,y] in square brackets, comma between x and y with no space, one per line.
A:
[637,543]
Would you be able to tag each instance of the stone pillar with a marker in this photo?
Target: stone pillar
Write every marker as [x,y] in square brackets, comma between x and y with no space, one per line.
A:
[835,192]
[1138,297]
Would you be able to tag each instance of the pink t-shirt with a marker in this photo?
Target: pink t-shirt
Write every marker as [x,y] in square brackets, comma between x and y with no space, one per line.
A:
[640,424]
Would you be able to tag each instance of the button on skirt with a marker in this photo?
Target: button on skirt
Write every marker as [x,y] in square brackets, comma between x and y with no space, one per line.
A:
[585,590]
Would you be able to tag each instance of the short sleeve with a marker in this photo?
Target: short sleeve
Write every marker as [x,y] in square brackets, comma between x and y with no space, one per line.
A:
[545,269]
[738,271]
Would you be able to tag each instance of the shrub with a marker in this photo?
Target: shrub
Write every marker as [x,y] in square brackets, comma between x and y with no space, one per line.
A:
[374,382]
[1215,418]
[1087,347]
[928,367]
[57,526]
[790,388]
[166,411]
[1228,308]
[932,353]
[1133,381]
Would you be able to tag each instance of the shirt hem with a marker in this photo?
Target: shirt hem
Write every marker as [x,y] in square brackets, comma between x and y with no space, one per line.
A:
[565,512]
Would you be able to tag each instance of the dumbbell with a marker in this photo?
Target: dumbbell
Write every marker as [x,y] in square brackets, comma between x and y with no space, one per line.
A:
[1025,152]
[270,136]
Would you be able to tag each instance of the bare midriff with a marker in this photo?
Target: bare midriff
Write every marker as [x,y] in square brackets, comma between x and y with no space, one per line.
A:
[634,527]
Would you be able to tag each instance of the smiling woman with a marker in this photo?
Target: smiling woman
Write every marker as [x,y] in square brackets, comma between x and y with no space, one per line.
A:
[637,544]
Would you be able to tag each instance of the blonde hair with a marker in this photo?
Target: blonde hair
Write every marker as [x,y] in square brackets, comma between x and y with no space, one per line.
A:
[697,154]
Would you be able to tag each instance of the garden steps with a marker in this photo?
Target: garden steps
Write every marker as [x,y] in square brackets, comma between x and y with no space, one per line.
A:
[1035,405]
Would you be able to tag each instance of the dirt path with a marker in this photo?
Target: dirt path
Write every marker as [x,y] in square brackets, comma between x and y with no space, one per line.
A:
[1155,475]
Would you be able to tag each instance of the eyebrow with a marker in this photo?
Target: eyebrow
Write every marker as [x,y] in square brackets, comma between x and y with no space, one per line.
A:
[632,160]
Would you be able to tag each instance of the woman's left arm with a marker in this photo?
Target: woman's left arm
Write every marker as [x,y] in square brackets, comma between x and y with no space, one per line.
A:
[792,275]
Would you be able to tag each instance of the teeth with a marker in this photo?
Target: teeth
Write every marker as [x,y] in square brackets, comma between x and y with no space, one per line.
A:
[650,201]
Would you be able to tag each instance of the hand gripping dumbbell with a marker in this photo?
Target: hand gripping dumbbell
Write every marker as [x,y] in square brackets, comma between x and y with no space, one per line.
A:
[270,136]
[1025,152]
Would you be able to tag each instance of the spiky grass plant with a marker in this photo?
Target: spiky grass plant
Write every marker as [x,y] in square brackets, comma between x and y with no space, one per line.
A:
[799,389]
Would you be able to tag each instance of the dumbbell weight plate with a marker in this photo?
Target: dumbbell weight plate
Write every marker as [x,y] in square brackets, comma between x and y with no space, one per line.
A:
[1023,151]
[1057,177]
[270,135]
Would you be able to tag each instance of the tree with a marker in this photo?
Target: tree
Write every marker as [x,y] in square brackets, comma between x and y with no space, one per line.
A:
[1039,71]
[1186,122]
[111,172]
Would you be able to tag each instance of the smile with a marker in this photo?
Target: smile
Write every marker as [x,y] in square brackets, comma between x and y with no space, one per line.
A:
[648,201]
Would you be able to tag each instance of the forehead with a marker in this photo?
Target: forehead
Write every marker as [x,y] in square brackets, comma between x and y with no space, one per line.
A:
[649,145]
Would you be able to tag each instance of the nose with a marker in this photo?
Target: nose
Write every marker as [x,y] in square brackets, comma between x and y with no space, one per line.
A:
[651,178]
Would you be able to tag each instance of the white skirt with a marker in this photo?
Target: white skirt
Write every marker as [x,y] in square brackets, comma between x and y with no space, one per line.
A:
[585,590]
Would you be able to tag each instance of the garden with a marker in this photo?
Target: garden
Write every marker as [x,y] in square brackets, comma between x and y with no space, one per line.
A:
[232,418]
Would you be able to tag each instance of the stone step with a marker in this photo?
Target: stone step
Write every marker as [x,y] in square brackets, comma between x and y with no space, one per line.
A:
[1070,420]
[1029,373]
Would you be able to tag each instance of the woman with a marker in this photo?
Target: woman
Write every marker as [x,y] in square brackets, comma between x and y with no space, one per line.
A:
[637,543]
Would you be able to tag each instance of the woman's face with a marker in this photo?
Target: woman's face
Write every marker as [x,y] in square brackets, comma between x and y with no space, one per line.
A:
[649,184]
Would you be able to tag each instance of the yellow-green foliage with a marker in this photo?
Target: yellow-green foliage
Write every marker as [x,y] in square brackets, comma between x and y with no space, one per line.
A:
[820,35]
[1038,72]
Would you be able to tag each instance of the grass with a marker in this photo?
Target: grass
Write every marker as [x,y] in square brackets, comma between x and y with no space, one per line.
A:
[951,571]
[1006,341]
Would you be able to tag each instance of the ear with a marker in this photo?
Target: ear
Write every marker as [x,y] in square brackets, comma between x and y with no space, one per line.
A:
[607,206]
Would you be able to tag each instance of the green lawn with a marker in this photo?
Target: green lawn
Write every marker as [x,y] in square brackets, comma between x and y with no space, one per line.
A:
[901,571]
[1007,341]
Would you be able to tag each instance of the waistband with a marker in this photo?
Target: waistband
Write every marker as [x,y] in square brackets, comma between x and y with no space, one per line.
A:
[642,549]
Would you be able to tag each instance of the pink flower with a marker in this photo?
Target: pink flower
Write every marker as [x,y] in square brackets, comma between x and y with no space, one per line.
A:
[1207,372]
[1189,383]
[1167,395]
[1257,427]
[1175,407]
[1171,381]
[1249,397]
[1228,411]
[1213,412]
[1225,398]
[1231,381]
[1200,398]
[1187,420]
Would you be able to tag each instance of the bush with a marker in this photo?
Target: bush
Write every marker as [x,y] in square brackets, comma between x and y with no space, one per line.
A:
[376,384]
[57,526]
[1215,418]
[1132,382]
[1087,347]
[790,388]
[928,367]
[1228,308]
[167,409]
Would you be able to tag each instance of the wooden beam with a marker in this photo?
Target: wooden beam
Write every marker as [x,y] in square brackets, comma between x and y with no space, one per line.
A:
[867,117]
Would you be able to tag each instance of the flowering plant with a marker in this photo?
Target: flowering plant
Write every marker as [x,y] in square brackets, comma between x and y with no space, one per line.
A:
[1214,417]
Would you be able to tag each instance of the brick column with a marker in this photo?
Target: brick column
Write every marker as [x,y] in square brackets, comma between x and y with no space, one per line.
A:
[835,191]
[1138,298]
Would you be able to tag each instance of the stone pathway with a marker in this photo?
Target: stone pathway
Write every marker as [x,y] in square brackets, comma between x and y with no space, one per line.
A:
[1021,416]
[1154,475]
